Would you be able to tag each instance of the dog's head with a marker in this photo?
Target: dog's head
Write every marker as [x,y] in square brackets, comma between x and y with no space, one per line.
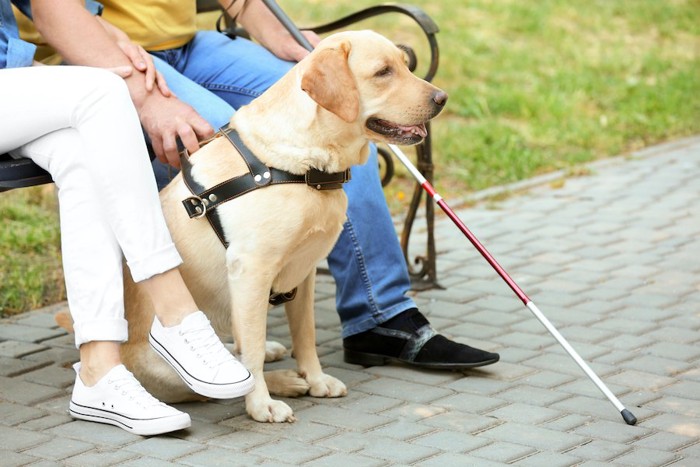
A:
[363,78]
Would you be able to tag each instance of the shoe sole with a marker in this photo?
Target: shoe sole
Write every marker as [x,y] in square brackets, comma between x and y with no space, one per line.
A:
[215,391]
[369,359]
[143,427]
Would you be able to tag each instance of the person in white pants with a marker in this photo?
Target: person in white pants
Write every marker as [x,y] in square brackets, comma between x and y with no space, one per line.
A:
[79,124]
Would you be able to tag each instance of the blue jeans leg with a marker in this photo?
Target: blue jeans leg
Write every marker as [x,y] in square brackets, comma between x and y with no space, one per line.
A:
[367,262]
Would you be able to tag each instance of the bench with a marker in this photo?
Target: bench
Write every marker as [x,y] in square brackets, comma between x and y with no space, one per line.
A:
[19,173]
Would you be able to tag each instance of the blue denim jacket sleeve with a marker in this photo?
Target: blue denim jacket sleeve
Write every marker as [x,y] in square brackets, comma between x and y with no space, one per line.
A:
[15,52]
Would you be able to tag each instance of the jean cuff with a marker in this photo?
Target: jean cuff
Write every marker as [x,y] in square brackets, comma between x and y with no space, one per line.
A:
[375,319]
[158,262]
[114,329]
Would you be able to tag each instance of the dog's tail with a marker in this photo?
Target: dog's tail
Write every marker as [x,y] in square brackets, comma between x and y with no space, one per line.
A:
[64,320]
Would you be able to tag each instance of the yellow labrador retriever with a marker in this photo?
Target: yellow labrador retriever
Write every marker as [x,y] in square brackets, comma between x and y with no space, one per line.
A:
[355,87]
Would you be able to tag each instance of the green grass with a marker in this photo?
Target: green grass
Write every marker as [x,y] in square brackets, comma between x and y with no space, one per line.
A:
[534,85]
[31,274]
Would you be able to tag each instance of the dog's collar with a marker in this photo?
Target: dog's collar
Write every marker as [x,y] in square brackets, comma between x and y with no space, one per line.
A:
[204,201]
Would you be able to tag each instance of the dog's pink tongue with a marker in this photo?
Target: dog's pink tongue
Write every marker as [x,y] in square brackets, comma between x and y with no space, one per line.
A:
[415,129]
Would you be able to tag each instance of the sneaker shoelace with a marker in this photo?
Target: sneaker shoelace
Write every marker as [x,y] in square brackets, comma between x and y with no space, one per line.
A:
[130,388]
[206,345]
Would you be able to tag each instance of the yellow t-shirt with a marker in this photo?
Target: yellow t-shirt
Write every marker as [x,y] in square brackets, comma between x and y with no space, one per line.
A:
[154,24]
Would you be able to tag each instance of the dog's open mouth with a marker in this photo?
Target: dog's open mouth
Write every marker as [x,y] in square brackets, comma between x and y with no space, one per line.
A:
[406,134]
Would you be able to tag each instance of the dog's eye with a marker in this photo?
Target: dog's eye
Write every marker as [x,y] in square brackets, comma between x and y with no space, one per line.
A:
[384,72]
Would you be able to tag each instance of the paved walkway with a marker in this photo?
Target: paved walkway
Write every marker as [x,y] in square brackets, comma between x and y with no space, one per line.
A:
[612,258]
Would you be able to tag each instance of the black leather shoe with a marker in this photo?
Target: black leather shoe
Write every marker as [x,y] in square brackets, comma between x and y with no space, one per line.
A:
[408,338]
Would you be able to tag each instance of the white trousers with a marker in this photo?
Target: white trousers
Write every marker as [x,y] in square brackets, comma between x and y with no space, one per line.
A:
[80,125]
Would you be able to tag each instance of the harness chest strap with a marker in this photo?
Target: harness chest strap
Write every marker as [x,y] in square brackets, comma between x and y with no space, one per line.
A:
[205,200]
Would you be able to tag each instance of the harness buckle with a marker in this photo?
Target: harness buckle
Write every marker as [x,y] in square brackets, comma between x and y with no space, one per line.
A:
[195,207]
[326,181]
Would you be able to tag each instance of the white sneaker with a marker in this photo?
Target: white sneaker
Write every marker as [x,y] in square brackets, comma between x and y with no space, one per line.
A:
[194,350]
[119,399]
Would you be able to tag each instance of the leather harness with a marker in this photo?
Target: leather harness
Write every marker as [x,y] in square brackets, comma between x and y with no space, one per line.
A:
[204,201]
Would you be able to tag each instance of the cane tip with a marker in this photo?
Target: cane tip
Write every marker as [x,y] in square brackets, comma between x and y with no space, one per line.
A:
[629,418]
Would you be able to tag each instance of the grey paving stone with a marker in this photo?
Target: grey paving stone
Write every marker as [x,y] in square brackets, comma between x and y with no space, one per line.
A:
[18,332]
[59,448]
[671,350]
[340,459]
[375,404]
[212,412]
[15,459]
[414,412]
[218,456]
[664,441]
[13,366]
[343,418]
[524,340]
[526,394]
[164,447]
[59,356]
[549,459]
[535,437]
[14,439]
[403,390]
[44,423]
[95,433]
[691,454]
[451,441]
[402,430]
[442,460]
[289,451]
[547,379]
[242,440]
[470,403]
[599,450]
[395,451]
[14,414]
[685,390]
[524,413]
[646,457]
[24,393]
[54,376]
[502,452]
[477,385]
[100,456]
[567,423]
[674,423]
[144,461]
[17,349]
[459,421]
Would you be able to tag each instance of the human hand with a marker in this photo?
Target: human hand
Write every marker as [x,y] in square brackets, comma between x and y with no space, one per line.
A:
[123,71]
[143,62]
[139,58]
[165,119]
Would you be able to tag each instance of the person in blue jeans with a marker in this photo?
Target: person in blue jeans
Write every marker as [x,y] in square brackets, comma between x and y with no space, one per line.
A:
[212,75]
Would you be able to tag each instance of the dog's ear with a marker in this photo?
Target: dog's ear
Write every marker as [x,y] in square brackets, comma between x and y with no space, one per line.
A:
[329,82]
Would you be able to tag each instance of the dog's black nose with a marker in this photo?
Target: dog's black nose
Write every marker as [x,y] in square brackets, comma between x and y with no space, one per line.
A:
[440,98]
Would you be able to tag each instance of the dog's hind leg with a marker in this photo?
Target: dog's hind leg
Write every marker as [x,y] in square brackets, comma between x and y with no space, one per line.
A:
[302,325]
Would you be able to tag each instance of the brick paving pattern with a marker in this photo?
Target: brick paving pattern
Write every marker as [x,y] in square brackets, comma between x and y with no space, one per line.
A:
[612,258]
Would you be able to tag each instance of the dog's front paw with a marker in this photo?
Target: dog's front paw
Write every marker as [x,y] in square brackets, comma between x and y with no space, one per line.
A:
[274,351]
[286,383]
[270,411]
[327,386]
